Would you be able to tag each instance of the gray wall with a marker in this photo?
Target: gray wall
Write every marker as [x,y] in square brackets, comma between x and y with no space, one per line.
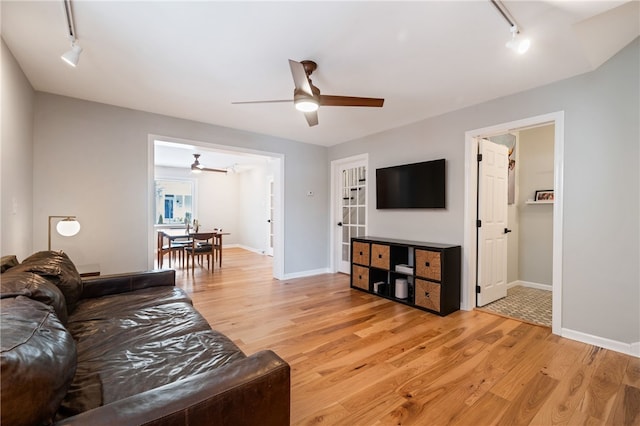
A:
[17,158]
[535,231]
[91,159]
[601,295]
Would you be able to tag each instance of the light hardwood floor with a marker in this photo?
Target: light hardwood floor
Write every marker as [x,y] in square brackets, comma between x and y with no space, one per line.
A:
[360,360]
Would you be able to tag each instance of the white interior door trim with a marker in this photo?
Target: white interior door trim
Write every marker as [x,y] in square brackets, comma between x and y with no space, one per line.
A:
[469,266]
[333,219]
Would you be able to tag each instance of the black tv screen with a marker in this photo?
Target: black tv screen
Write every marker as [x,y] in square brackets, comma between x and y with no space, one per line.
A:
[411,186]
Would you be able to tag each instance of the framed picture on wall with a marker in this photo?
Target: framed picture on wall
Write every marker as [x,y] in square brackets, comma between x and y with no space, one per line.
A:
[544,195]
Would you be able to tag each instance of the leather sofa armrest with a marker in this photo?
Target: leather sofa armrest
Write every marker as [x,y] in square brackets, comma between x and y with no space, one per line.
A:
[253,391]
[121,283]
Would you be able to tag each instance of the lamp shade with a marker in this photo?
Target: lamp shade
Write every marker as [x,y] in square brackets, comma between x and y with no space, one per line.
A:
[68,227]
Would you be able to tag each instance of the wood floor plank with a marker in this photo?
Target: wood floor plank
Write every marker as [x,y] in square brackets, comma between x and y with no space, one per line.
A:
[529,400]
[567,396]
[626,407]
[357,359]
[604,385]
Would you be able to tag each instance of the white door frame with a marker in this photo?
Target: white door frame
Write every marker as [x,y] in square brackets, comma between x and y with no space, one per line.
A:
[278,189]
[270,206]
[335,164]
[469,266]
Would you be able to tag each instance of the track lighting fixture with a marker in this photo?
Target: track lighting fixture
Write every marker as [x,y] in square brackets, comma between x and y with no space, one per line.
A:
[72,56]
[518,43]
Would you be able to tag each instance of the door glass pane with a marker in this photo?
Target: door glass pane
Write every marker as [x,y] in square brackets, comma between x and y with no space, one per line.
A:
[361,195]
[353,206]
[361,212]
[345,252]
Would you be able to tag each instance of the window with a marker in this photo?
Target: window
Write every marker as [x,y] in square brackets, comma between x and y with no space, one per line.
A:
[174,201]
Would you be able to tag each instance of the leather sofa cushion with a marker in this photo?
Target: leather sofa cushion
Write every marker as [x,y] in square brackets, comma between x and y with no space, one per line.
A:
[133,342]
[37,362]
[17,283]
[56,267]
[8,262]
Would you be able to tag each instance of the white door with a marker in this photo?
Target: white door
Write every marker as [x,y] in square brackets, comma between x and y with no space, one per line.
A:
[350,209]
[270,204]
[493,167]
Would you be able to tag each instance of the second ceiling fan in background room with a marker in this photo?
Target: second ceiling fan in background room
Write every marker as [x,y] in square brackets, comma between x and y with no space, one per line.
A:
[196,167]
[307,97]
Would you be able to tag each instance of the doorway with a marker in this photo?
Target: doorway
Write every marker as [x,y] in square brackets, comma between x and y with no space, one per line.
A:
[250,170]
[527,237]
[470,263]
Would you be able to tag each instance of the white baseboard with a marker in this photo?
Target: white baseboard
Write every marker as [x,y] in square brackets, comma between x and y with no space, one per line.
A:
[530,284]
[303,274]
[632,349]
[251,249]
[291,276]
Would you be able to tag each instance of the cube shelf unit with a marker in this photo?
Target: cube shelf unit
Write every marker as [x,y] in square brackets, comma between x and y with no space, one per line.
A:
[432,272]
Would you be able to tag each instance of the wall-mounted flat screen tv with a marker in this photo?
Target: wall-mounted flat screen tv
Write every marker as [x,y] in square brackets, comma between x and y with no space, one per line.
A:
[411,186]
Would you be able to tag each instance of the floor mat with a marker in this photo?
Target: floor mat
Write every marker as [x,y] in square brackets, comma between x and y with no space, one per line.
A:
[525,303]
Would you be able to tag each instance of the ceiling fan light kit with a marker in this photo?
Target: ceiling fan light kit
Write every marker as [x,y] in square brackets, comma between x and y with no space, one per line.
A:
[307,97]
[305,104]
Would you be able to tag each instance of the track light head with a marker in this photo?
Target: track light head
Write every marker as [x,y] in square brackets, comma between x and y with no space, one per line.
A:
[72,56]
[518,43]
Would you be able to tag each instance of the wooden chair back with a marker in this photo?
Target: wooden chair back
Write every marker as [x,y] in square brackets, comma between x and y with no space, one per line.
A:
[202,244]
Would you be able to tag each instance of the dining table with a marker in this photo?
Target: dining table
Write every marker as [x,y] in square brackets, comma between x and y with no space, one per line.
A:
[176,234]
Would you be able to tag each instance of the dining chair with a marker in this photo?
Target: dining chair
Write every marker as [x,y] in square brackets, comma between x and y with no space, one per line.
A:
[174,250]
[202,244]
[217,247]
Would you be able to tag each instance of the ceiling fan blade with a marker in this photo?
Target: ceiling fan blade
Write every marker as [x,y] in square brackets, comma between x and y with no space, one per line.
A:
[329,100]
[312,118]
[300,77]
[204,169]
[263,102]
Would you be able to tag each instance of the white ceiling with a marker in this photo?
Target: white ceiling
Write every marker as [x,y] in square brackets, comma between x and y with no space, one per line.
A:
[192,59]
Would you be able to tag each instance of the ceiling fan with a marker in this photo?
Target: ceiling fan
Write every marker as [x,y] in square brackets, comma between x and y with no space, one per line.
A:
[307,97]
[196,167]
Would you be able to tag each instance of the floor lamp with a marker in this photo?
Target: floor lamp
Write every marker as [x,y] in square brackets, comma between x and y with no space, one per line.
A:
[67,227]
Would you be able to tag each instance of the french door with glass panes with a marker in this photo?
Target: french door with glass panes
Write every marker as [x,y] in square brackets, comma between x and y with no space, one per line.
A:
[351,194]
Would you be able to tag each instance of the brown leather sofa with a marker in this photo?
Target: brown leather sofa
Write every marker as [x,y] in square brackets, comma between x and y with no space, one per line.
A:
[123,350]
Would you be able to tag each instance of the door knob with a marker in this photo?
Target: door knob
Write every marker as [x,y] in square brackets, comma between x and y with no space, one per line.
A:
[339,223]
[507,230]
